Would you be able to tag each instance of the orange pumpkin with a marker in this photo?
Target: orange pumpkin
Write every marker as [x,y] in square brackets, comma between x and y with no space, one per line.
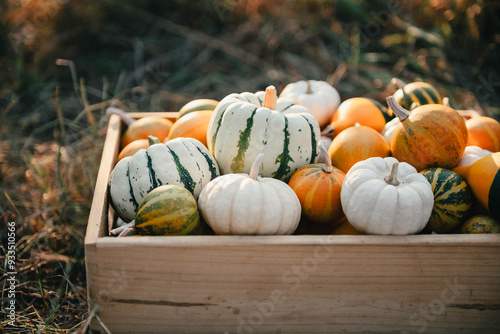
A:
[192,125]
[318,188]
[357,143]
[483,178]
[484,132]
[345,228]
[156,126]
[147,126]
[132,148]
[432,135]
[360,110]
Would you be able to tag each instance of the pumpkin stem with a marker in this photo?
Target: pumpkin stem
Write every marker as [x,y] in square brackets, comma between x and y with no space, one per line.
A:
[401,112]
[123,115]
[254,170]
[392,178]
[327,167]
[124,230]
[328,131]
[270,98]
[398,83]
[153,140]
[446,101]
[308,90]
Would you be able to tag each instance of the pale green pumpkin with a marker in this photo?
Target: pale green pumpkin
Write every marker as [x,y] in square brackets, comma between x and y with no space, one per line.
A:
[244,125]
[182,161]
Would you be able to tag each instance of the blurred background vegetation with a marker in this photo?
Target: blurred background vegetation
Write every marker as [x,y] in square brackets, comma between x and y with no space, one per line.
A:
[63,62]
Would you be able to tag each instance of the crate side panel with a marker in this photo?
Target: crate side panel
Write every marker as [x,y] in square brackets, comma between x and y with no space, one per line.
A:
[319,288]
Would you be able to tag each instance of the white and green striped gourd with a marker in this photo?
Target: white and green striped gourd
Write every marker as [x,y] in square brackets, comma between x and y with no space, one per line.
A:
[244,125]
[180,161]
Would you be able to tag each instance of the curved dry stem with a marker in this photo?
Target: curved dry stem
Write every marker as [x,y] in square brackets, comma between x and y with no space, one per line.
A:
[392,178]
[398,83]
[327,167]
[254,170]
[400,112]
[123,230]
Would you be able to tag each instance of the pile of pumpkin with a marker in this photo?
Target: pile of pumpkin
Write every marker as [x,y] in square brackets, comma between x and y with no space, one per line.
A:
[253,163]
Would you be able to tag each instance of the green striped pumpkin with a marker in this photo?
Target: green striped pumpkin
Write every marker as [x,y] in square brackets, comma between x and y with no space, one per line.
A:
[388,114]
[168,210]
[452,200]
[181,161]
[420,92]
[241,128]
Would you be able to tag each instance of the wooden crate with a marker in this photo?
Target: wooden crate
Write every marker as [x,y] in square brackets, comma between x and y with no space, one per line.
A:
[286,284]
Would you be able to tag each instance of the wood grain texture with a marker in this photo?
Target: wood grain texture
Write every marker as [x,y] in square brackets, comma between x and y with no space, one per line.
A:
[288,284]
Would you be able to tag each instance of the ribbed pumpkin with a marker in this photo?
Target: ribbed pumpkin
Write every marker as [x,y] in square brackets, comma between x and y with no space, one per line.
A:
[193,125]
[168,210]
[249,204]
[181,161]
[452,200]
[484,132]
[142,128]
[483,178]
[360,110]
[318,188]
[420,92]
[244,125]
[385,196]
[432,135]
[355,144]
[319,97]
[197,105]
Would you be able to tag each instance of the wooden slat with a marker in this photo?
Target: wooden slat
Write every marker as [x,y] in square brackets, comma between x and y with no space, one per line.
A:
[218,288]
[370,292]
[97,222]
[171,115]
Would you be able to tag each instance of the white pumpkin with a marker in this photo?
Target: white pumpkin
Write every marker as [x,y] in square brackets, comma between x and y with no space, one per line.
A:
[389,129]
[249,204]
[385,196]
[319,97]
[181,161]
[244,125]
[471,155]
